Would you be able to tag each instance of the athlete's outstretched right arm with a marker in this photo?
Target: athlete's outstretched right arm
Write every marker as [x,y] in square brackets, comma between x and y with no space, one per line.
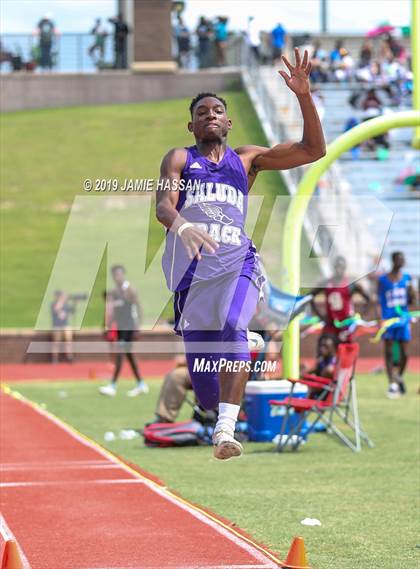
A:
[167,196]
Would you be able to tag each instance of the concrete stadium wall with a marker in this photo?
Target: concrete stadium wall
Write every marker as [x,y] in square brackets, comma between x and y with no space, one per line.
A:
[25,90]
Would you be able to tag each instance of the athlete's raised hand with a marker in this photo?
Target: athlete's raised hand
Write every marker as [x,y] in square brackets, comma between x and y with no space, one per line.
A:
[298,80]
[194,240]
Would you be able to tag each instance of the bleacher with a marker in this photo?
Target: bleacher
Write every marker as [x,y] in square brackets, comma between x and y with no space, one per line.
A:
[370,176]
[368,225]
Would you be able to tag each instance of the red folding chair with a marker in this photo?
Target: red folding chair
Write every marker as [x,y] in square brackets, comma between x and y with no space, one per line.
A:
[337,399]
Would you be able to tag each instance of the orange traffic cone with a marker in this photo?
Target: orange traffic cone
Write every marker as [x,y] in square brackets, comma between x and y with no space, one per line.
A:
[92,373]
[296,558]
[10,558]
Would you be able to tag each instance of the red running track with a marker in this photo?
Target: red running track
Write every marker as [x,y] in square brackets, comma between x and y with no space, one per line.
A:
[70,504]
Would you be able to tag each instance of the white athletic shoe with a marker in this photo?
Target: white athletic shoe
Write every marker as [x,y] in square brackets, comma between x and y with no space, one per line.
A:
[225,446]
[255,341]
[140,388]
[109,390]
[393,391]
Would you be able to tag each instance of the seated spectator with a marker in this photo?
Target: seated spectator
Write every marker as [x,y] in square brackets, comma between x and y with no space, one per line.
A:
[371,100]
[319,60]
[344,66]
[366,53]
[372,107]
[173,392]
[325,363]
[391,48]
[336,54]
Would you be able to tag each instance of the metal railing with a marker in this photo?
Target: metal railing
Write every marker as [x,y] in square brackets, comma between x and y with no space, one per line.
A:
[69,53]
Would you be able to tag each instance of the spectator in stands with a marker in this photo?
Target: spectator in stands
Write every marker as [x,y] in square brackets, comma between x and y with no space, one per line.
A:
[47,32]
[61,309]
[371,100]
[391,48]
[99,34]
[278,36]
[183,39]
[319,60]
[371,105]
[366,53]
[370,74]
[220,39]
[336,54]
[254,37]
[344,68]
[121,31]
[204,34]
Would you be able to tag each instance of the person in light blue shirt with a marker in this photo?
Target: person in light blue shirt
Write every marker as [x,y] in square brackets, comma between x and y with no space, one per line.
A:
[395,294]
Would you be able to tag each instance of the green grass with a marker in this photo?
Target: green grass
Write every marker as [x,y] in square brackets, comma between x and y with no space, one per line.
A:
[367,502]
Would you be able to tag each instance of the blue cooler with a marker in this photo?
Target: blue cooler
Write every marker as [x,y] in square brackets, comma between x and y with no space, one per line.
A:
[264,421]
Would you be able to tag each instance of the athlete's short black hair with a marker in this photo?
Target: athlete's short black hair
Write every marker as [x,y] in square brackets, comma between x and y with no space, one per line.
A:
[200,96]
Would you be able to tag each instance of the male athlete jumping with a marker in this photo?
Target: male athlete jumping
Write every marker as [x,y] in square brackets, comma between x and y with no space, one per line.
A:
[209,262]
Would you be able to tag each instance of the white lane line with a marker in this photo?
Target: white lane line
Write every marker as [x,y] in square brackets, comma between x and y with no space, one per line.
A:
[67,482]
[163,492]
[185,567]
[30,465]
[7,534]
[31,468]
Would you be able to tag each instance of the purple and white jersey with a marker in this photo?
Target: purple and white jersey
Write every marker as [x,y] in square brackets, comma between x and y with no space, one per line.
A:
[215,198]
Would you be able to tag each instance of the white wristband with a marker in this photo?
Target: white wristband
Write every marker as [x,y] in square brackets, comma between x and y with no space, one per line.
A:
[184,226]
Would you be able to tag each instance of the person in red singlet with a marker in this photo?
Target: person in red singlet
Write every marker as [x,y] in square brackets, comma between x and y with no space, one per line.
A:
[338,292]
